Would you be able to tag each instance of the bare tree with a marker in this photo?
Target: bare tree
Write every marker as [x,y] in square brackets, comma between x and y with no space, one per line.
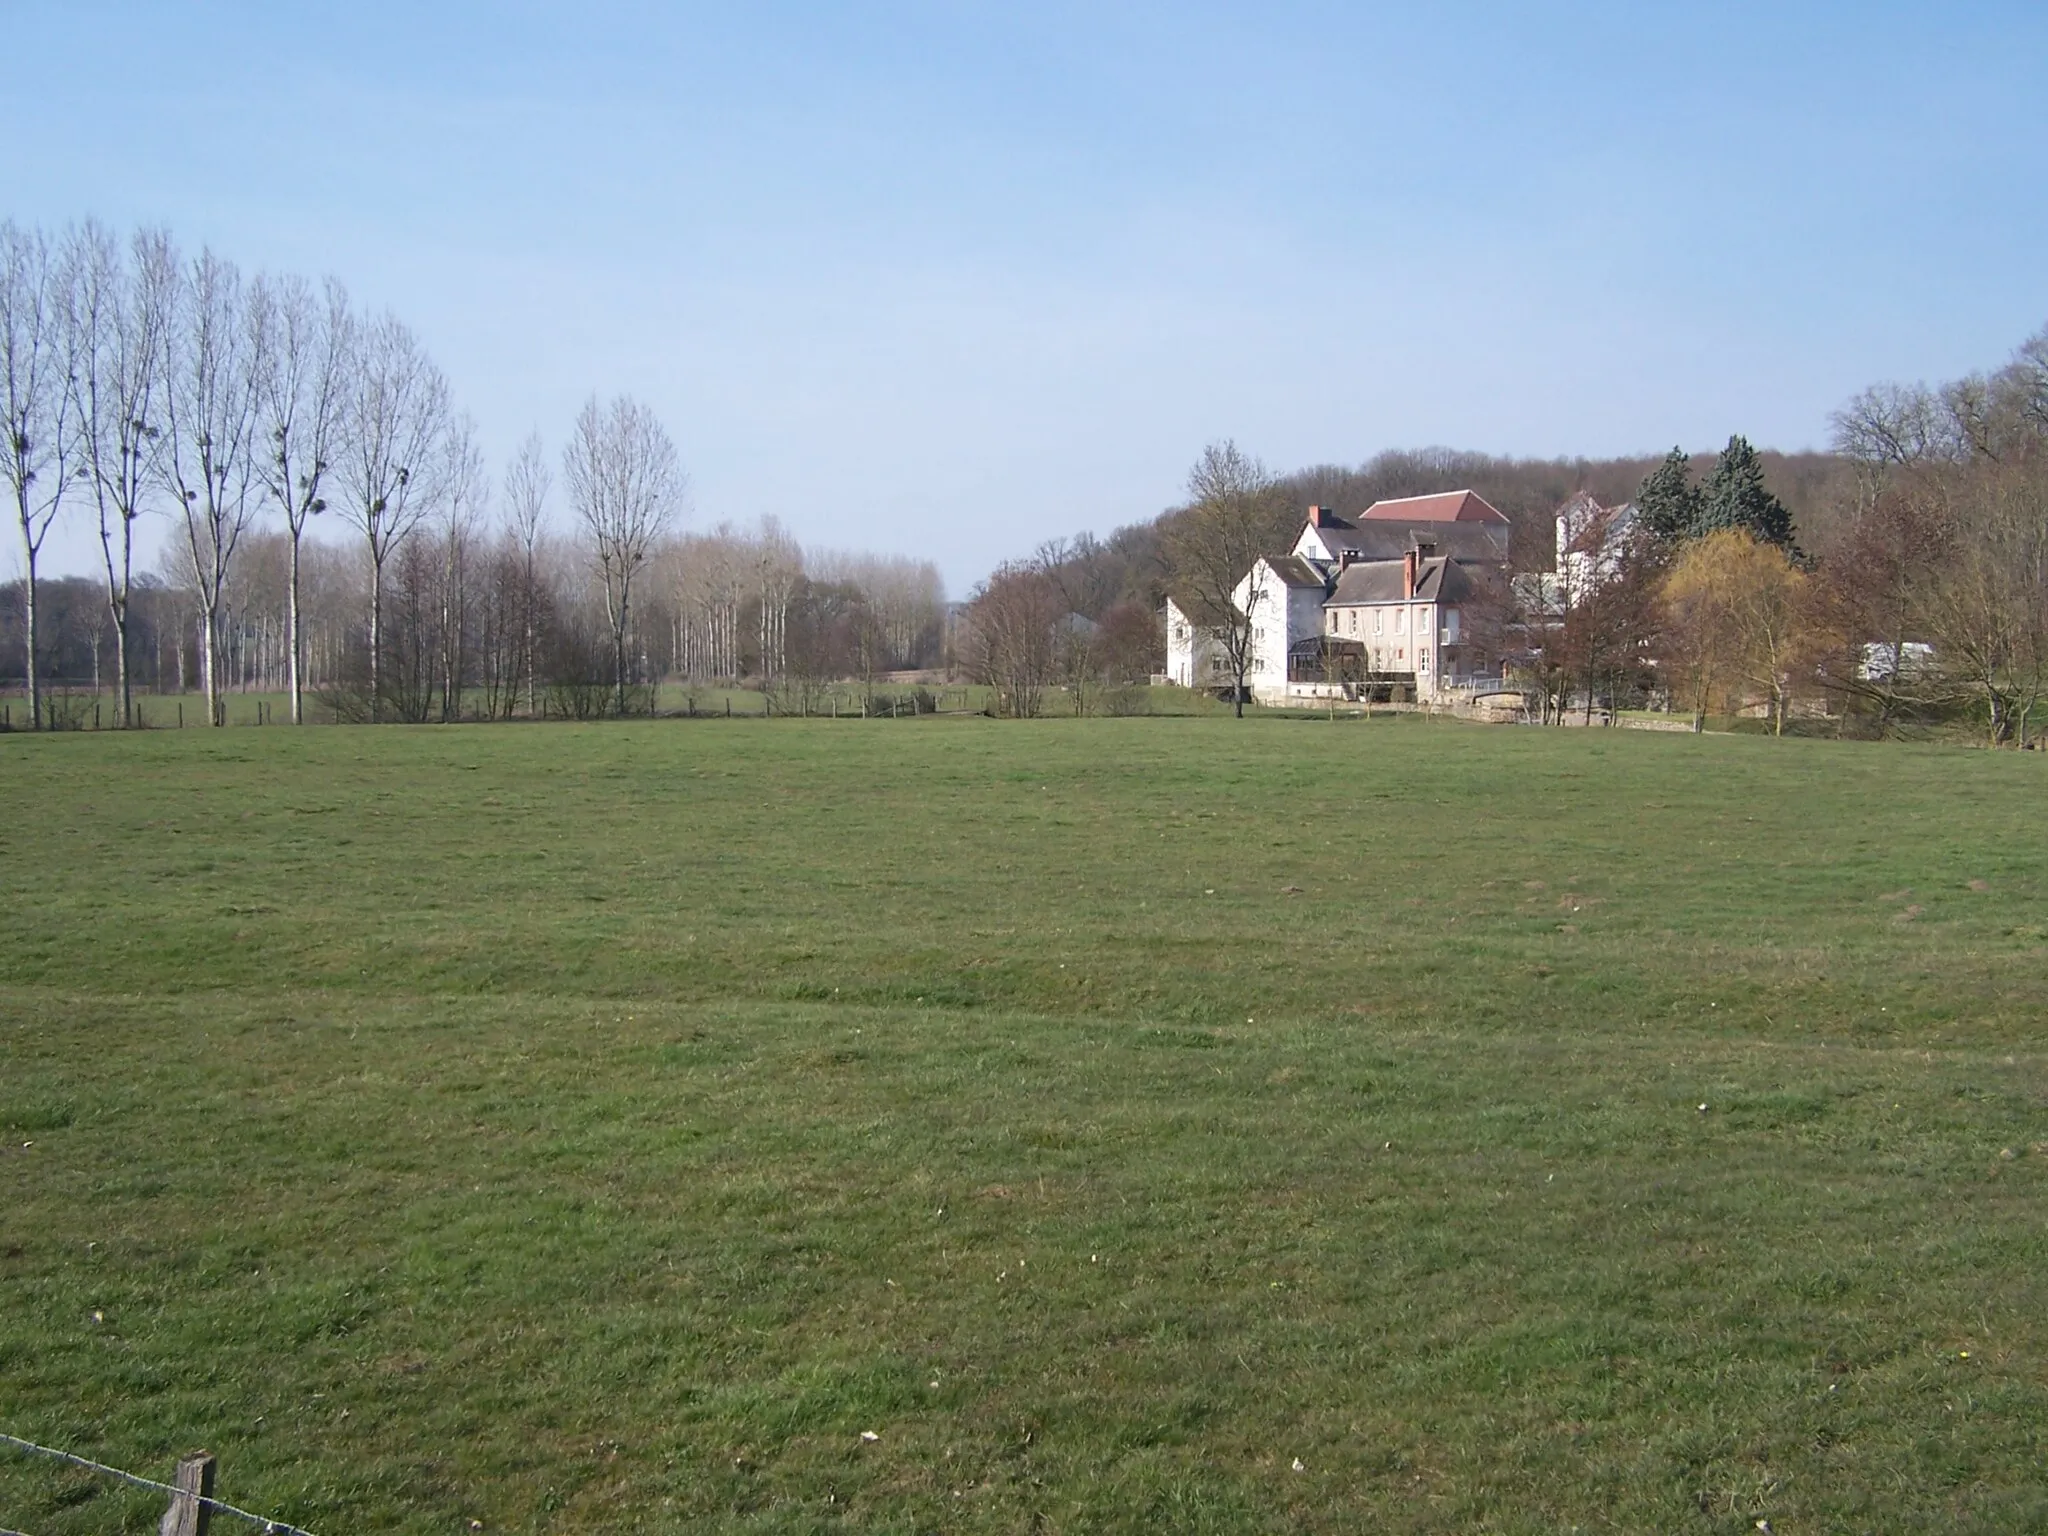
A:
[1215,546]
[627,487]
[462,518]
[1890,427]
[1866,605]
[209,455]
[301,342]
[40,404]
[121,323]
[528,482]
[1986,604]
[396,416]
[1012,624]
[778,565]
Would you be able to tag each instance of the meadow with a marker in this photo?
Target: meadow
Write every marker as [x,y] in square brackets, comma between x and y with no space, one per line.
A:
[1075,1125]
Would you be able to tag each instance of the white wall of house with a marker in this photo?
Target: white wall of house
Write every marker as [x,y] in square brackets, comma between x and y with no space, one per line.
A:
[1191,651]
[1591,540]
[1280,616]
[1311,546]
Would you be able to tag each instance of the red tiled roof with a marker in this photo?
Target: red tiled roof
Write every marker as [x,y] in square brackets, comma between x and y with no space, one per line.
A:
[1445,507]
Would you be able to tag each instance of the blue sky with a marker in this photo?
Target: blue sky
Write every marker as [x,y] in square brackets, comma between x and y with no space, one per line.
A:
[949,279]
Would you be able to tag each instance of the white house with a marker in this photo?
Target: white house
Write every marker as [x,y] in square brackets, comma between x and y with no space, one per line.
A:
[1380,600]
[1409,618]
[1460,524]
[1194,657]
[1591,541]
[1280,597]
[1284,595]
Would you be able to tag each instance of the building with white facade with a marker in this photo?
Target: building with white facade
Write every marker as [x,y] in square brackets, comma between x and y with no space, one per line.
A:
[1376,604]
[1591,542]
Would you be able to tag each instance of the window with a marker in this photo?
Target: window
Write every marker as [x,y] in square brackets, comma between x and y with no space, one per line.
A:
[1400,620]
[1450,626]
[1422,661]
[1354,621]
[1377,618]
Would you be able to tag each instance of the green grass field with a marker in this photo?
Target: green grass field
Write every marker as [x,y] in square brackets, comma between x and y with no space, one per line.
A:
[1133,1125]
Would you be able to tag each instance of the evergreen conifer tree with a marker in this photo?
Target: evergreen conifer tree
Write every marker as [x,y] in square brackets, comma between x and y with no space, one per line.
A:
[1735,497]
[1667,502]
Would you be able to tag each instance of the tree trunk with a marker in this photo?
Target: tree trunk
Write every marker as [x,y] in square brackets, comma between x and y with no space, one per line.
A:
[35,684]
[123,683]
[376,638]
[118,590]
[294,681]
[209,661]
[526,606]
[619,652]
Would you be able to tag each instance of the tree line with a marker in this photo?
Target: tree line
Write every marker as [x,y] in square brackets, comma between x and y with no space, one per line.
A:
[250,413]
[1921,597]
[1899,579]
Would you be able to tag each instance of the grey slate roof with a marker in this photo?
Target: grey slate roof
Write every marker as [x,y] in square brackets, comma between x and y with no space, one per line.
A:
[1386,540]
[1294,571]
[1201,612]
[1379,581]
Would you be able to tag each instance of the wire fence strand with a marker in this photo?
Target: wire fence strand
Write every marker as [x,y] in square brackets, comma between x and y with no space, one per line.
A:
[270,1527]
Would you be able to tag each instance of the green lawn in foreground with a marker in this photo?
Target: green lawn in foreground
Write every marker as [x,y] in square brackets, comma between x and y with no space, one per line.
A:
[585,1129]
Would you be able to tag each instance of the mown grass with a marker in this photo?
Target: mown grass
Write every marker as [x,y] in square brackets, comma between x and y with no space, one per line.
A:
[601,1128]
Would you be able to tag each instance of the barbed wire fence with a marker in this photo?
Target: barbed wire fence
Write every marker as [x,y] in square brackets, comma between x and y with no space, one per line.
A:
[191,1496]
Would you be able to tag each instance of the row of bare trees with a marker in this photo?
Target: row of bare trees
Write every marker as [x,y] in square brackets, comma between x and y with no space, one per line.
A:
[138,383]
[1028,631]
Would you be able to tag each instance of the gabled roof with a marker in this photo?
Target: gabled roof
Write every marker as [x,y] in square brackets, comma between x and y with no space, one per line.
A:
[1294,571]
[1445,507]
[1584,504]
[1379,581]
[1200,611]
[1389,540]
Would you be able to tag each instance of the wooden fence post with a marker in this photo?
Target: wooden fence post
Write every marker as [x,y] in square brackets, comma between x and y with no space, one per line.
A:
[187,1516]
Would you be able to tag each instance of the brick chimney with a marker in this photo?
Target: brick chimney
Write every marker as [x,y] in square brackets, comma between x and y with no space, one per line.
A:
[1408,575]
[1315,517]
